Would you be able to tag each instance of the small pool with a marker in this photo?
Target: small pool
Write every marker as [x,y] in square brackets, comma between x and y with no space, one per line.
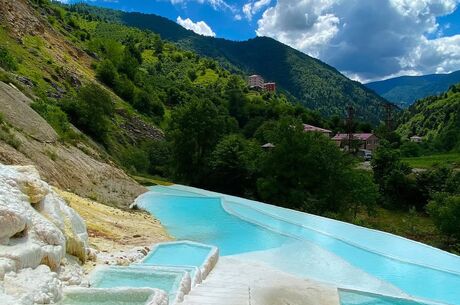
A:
[177,254]
[348,297]
[184,253]
[115,296]
[174,283]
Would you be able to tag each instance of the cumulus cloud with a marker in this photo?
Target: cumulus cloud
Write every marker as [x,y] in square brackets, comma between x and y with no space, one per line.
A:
[253,7]
[199,27]
[369,39]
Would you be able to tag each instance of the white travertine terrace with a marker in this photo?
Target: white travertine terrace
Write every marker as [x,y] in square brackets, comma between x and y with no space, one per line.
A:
[39,234]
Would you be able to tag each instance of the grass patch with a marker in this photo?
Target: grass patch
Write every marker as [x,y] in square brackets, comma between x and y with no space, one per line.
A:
[148,180]
[450,159]
[413,225]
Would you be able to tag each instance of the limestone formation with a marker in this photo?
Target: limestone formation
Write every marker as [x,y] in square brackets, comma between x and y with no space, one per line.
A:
[38,233]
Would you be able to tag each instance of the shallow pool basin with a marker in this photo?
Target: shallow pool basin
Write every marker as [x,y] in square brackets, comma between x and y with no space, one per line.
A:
[114,296]
[350,297]
[184,253]
[175,283]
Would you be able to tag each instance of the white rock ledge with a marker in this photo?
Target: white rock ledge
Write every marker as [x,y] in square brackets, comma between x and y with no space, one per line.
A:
[38,233]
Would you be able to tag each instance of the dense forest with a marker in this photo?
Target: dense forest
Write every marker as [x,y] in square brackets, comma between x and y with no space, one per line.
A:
[160,110]
[303,78]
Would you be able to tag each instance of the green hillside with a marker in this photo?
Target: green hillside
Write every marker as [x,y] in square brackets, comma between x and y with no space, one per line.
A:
[308,80]
[405,90]
[437,118]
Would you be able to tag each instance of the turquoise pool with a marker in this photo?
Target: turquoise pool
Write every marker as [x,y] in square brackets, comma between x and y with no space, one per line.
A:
[118,296]
[202,219]
[354,254]
[178,254]
[360,298]
[138,276]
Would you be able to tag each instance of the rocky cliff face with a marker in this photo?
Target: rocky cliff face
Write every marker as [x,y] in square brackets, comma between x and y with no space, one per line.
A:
[40,239]
[79,168]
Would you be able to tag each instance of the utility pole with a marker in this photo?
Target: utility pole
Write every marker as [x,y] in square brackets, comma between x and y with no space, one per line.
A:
[350,117]
[388,116]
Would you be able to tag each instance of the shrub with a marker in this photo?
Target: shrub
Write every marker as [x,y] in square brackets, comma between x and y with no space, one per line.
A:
[445,210]
[148,104]
[107,73]
[57,118]
[7,61]
[91,111]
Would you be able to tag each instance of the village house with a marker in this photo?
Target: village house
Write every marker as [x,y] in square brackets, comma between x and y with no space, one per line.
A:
[311,128]
[416,139]
[367,141]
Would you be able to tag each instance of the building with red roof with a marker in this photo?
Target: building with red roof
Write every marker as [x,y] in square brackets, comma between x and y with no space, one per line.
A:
[367,141]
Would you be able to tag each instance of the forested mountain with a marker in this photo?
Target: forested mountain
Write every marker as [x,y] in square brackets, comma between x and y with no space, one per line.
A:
[437,118]
[405,90]
[308,80]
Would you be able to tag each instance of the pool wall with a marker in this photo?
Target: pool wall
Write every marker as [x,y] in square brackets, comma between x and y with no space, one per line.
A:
[153,296]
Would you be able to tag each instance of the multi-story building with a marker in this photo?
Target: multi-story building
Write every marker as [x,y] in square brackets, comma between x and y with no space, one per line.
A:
[256,82]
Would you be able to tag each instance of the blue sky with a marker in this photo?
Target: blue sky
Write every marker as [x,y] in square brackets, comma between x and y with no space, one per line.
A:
[365,39]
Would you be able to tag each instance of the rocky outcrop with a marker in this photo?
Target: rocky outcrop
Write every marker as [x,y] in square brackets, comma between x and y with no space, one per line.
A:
[37,231]
[80,168]
[14,102]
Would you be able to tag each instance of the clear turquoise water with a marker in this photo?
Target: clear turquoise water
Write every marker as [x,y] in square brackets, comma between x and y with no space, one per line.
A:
[104,298]
[391,259]
[202,219]
[358,298]
[137,277]
[177,255]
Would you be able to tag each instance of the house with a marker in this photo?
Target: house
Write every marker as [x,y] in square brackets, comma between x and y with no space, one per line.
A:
[256,82]
[416,139]
[270,87]
[311,128]
[268,146]
[367,141]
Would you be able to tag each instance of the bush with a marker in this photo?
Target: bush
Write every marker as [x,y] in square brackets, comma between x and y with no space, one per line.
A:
[57,118]
[107,73]
[410,149]
[445,210]
[149,104]
[91,111]
[7,61]
[135,160]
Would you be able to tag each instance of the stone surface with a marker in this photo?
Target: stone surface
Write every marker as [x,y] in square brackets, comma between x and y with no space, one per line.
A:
[33,286]
[16,110]
[37,229]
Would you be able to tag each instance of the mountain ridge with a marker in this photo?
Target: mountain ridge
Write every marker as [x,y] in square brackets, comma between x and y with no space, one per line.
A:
[405,90]
[308,80]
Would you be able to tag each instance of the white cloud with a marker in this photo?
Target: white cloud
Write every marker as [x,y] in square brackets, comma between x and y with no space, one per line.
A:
[369,39]
[251,8]
[199,27]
